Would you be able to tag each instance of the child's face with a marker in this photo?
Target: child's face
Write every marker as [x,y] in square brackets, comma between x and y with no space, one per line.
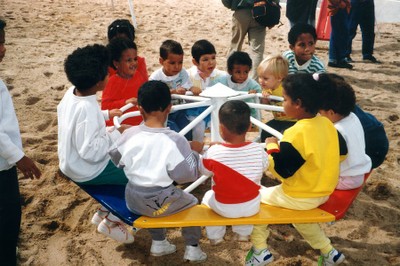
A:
[2,46]
[172,65]
[240,73]
[304,48]
[206,64]
[268,81]
[127,64]
[289,106]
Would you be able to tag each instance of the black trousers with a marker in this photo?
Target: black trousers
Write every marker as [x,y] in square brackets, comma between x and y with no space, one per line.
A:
[10,216]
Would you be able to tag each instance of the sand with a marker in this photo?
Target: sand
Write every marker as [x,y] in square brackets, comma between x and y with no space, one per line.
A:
[56,227]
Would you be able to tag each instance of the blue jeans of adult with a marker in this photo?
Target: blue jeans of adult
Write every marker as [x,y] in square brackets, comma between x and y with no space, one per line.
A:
[10,216]
[339,37]
[362,13]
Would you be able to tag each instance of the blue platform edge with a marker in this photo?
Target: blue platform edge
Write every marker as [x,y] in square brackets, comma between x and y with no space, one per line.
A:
[113,198]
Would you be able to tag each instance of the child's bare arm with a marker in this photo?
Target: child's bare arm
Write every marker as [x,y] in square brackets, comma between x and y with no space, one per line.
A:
[28,168]
[252,91]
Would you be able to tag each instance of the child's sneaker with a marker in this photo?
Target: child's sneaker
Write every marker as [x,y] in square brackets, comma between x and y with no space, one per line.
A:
[98,217]
[161,248]
[216,241]
[194,254]
[334,257]
[241,238]
[116,231]
[258,259]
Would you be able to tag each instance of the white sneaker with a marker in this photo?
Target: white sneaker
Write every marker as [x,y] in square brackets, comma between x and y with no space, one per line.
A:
[334,257]
[261,258]
[194,254]
[116,231]
[98,217]
[161,248]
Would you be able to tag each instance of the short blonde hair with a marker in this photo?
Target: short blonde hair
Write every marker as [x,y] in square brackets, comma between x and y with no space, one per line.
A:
[277,65]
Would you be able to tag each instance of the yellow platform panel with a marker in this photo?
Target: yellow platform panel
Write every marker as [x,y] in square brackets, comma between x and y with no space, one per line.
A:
[201,215]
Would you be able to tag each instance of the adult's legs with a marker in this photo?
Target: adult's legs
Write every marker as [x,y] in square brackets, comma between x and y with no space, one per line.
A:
[240,26]
[339,37]
[367,26]
[353,22]
[244,24]
[256,37]
[10,216]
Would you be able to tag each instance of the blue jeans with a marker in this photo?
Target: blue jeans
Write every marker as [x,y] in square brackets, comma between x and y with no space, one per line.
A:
[178,121]
[362,13]
[339,36]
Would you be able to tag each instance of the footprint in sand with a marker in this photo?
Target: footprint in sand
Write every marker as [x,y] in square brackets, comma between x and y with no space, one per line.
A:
[32,100]
[378,190]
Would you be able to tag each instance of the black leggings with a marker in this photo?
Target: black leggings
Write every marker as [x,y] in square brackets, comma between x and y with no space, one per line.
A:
[10,216]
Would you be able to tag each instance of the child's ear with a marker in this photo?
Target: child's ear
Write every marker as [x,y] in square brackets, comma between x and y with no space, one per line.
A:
[141,110]
[298,103]
[115,64]
[161,60]
[222,130]
[195,62]
[291,47]
[168,109]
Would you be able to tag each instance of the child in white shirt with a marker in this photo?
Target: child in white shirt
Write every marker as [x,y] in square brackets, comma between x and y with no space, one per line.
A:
[83,140]
[203,74]
[337,105]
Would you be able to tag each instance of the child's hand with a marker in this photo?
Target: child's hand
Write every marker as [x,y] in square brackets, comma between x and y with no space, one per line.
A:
[271,140]
[180,91]
[114,112]
[252,91]
[265,99]
[196,90]
[132,100]
[265,94]
[123,127]
[196,146]
[28,168]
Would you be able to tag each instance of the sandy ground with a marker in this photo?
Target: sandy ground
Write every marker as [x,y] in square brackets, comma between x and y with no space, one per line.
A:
[55,226]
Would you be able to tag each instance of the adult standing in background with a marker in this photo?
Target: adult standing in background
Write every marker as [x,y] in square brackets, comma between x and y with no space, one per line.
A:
[244,24]
[338,11]
[301,11]
[11,158]
[362,13]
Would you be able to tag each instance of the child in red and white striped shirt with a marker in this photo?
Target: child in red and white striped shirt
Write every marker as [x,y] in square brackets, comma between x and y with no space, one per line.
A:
[237,166]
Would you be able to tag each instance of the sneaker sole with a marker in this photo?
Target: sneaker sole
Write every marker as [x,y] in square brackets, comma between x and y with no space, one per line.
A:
[161,254]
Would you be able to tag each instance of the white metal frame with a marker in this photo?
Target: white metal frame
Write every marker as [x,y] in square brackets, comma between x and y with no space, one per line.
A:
[214,100]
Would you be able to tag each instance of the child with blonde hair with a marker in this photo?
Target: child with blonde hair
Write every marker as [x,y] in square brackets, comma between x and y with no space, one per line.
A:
[271,72]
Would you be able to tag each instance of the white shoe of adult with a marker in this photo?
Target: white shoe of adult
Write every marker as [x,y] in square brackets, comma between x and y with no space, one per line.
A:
[116,231]
[194,254]
[161,248]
